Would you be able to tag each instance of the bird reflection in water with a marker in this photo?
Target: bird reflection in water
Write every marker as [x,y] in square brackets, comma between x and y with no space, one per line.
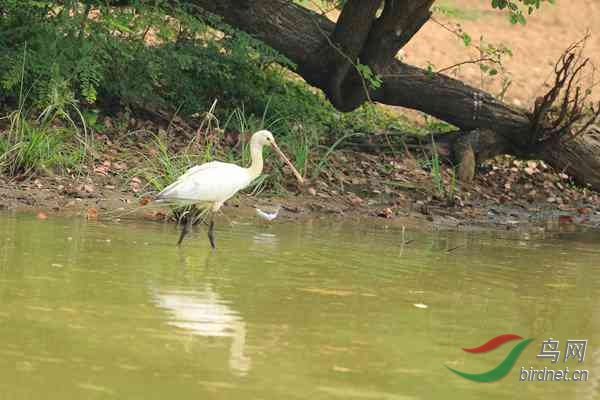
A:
[204,313]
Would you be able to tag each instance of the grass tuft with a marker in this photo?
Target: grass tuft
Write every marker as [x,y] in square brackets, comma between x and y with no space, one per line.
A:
[30,147]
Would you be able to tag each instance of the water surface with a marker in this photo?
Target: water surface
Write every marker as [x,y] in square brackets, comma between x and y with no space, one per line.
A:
[93,310]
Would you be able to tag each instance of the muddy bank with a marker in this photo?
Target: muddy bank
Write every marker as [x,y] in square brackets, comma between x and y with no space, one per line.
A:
[507,194]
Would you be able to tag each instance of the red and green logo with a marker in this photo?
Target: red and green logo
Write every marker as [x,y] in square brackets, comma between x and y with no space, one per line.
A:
[502,369]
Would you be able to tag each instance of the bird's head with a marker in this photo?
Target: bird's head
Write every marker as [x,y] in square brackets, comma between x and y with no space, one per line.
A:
[265,138]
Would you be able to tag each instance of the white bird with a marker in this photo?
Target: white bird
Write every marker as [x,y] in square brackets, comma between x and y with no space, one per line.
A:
[269,216]
[213,183]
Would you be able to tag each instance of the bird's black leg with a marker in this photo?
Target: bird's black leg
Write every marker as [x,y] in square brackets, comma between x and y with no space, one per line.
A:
[185,229]
[211,236]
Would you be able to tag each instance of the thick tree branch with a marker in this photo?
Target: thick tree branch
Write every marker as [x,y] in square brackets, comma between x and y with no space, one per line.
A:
[348,38]
[301,35]
[354,24]
[298,33]
[398,23]
[450,100]
[285,26]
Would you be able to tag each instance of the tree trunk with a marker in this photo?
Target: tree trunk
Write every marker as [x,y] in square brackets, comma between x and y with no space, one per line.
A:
[579,158]
[325,54]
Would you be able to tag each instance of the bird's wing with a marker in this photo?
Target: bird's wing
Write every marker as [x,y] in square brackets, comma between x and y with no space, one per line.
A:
[202,167]
[191,171]
[213,181]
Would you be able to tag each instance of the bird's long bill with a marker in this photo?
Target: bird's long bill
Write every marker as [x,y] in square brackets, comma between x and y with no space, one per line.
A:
[288,162]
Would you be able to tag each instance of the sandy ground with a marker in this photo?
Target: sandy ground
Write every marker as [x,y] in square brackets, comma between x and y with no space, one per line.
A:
[535,46]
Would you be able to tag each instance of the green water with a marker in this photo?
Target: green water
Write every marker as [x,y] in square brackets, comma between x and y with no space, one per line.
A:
[92,310]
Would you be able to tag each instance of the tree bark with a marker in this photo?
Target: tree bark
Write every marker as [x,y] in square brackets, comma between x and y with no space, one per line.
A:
[347,41]
[302,35]
[313,43]
[579,158]
[399,22]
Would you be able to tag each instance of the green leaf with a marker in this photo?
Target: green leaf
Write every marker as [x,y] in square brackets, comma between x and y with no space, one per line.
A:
[466,39]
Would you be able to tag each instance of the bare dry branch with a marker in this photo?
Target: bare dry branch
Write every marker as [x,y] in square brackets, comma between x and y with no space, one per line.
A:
[564,111]
[460,64]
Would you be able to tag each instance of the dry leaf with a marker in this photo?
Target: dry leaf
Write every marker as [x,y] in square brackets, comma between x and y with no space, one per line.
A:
[145,200]
[356,201]
[92,213]
[530,171]
[565,219]
[386,213]
[135,184]
[102,169]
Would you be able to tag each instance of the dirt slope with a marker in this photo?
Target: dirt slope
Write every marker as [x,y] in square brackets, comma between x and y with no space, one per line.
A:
[535,46]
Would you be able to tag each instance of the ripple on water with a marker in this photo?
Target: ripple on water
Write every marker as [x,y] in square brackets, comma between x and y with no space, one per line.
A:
[327,310]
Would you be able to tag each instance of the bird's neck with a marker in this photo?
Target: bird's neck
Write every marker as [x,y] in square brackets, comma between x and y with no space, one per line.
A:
[256,167]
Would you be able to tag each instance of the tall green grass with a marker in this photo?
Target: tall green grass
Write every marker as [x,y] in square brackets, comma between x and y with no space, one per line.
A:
[52,142]
[441,190]
[27,148]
